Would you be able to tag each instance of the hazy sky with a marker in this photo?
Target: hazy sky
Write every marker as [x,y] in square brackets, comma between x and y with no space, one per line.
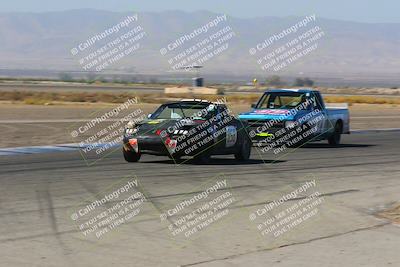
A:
[356,10]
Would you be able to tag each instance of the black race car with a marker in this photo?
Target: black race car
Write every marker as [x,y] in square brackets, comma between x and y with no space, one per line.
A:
[196,128]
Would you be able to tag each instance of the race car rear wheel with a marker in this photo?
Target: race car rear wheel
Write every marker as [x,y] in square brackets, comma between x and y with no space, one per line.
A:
[130,156]
[175,157]
[245,150]
[203,157]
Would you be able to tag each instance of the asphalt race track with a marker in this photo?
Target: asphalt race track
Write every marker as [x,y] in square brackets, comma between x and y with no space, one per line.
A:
[357,180]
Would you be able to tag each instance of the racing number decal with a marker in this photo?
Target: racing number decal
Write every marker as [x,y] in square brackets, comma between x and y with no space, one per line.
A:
[231,136]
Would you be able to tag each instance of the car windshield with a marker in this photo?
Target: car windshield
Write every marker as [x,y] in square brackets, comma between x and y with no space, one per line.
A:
[281,100]
[195,111]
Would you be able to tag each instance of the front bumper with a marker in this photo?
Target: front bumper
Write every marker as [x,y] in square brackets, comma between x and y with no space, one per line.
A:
[146,145]
[155,145]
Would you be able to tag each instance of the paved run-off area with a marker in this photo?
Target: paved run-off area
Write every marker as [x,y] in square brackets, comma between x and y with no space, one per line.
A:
[356,181]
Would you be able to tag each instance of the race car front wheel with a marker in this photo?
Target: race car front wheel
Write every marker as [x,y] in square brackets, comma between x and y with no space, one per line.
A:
[334,139]
[130,156]
[245,150]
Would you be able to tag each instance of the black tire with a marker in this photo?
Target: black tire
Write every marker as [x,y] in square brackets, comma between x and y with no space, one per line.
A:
[176,157]
[202,158]
[334,139]
[130,156]
[244,151]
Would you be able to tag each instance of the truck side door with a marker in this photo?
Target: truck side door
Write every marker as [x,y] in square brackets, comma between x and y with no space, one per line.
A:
[320,117]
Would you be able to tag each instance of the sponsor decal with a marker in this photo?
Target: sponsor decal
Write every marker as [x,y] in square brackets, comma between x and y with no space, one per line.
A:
[231,136]
[154,121]
[271,111]
[265,134]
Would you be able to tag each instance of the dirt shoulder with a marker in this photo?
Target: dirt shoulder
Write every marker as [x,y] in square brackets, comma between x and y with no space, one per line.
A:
[392,214]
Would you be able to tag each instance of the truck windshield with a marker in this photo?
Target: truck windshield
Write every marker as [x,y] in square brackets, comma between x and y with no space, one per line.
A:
[281,100]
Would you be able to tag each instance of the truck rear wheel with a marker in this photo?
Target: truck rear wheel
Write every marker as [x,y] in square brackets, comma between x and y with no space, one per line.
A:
[130,156]
[334,139]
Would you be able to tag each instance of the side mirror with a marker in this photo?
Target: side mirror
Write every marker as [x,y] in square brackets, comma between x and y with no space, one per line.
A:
[253,105]
[149,116]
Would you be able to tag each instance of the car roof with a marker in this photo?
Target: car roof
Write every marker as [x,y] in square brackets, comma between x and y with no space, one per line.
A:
[192,101]
[299,90]
[195,100]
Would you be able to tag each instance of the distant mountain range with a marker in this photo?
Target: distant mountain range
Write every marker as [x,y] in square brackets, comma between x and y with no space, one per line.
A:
[44,41]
